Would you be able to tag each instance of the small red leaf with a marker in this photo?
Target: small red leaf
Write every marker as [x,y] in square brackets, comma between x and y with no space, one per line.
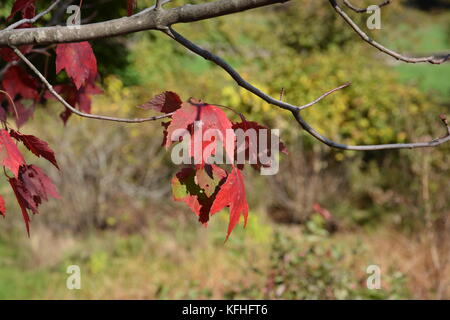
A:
[77,98]
[17,82]
[27,7]
[254,148]
[78,60]
[9,55]
[39,147]
[165,102]
[10,155]
[232,194]
[15,185]
[21,113]
[31,187]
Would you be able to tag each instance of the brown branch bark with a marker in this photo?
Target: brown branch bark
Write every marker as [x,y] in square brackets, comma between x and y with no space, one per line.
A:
[150,20]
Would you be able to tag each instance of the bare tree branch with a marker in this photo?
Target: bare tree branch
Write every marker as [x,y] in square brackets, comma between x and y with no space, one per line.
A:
[361,10]
[392,53]
[73,109]
[156,18]
[151,20]
[238,78]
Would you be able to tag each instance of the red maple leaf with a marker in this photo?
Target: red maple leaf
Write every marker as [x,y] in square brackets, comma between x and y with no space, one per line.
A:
[165,102]
[232,194]
[253,148]
[10,156]
[9,55]
[27,7]
[31,187]
[17,82]
[20,112]
[131,5]
[78,60]
[209,117]
[39,147]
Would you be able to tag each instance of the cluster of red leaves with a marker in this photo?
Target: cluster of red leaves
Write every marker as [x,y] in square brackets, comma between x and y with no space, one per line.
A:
[77,59]
[19,88]
[205,187]
[30,184]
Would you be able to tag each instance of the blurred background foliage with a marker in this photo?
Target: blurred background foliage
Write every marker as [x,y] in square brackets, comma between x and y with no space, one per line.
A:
[117,220]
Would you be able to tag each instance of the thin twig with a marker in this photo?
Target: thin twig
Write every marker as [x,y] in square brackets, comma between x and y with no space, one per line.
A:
[158,5]
[12,102]
[32,20]
[361,10]
[333,144]
[73,109]
[392,53]
[161,3]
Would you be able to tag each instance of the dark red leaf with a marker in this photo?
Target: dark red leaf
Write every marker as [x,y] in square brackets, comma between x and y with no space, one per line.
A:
[27,7]
[78,60]
[15,185]
[165,125]
[31,188]
[80,99]
[21,113]
[18,82]
[8,54]
[254,148]
[165,102]
[39,147]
